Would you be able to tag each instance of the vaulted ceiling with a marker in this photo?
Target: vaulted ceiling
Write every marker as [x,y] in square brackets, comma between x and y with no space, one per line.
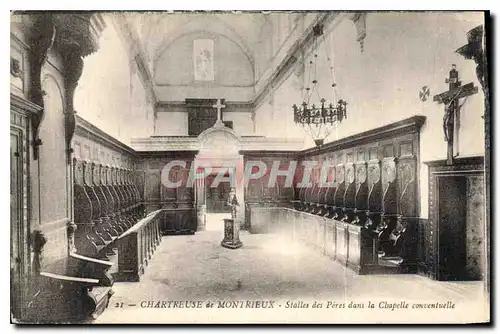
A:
[268,39]
[156,30]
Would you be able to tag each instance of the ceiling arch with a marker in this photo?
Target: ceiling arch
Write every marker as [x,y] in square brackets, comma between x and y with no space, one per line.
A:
[173,27]
[159,54]
[233,66]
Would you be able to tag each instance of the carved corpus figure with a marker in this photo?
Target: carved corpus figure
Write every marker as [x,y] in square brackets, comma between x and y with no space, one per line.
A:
[451,101]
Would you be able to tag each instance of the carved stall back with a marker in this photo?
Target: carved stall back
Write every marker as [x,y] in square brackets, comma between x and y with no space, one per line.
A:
[122,188]
[109,225]
[339,191]
[112,216]
[310,196]
[114,197]
[83,211]
[407,189]
[361,197]
[132,188]
[319,198]
[112,204]
[374,200]
[134,201]
[102,227]
[96,185]
[133,194]
[330,193]
[139,179]
[376,181]
[87,181]
[389,198]
[301,198]
[349,204]
[389,187]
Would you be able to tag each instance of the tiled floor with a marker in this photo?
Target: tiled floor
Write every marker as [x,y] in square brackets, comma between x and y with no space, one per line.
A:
[269,268]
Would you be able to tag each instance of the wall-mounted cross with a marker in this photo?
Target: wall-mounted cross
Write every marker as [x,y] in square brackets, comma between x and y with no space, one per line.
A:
[219,107]
[451,100]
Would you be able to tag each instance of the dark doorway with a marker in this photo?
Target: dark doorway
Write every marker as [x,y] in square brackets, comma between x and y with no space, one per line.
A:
[217,197]
[452,228]
[18,246]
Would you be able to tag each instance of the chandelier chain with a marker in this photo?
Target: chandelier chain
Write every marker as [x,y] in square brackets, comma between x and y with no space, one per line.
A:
[322,117]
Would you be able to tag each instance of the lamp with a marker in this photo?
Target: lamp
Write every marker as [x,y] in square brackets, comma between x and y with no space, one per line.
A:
[319,117]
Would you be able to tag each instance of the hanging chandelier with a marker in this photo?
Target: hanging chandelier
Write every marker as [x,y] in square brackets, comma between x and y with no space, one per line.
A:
[317,115]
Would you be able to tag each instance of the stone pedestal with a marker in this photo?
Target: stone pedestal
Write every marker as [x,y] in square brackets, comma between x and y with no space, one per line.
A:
[231,234]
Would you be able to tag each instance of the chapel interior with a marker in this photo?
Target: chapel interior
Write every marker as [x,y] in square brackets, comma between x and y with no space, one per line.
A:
[396,103]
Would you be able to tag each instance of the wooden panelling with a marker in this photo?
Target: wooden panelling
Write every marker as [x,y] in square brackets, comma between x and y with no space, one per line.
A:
[178,221]
[399,129]
[178,203]
[346,243]
[258,190]
[373,202]
[90,142]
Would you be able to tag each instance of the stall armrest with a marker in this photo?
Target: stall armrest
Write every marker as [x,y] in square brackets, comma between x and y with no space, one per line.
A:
[90,259]
[70,279]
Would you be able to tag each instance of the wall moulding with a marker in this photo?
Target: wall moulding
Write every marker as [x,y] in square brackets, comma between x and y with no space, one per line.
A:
[185,143]
[406,126]
[473,163]
[87,130]
[24,106]
[181,106]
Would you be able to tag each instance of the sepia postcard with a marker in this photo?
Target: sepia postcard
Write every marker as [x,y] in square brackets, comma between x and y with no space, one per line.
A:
[250,167]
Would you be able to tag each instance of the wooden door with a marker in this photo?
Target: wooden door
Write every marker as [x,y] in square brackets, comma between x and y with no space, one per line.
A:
[18,241]
[217,197]
[451,229]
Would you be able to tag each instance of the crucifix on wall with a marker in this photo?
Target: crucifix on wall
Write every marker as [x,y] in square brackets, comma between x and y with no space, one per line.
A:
[204,114]
[219,107]
[451,100]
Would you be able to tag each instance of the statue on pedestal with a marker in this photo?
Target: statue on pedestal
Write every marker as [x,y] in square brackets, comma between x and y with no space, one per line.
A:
[231,227]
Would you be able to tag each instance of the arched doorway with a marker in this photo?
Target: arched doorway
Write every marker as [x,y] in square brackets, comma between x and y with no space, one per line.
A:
[217,197]
[219,168]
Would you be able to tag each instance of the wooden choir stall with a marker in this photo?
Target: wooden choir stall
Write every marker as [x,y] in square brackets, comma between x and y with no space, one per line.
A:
[110,226]
[365,216]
